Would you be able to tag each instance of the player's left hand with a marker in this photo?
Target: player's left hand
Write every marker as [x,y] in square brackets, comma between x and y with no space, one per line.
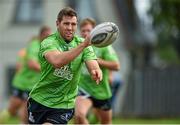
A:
[96,75]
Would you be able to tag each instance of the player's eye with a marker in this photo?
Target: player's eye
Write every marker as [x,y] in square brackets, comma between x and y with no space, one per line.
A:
[73,24]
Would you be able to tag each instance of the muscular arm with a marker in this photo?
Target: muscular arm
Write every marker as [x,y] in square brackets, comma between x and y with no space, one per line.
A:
[59,59]
[94,70]
[111,65]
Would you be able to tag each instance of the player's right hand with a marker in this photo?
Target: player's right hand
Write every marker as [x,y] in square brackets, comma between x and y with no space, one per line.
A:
[87,41]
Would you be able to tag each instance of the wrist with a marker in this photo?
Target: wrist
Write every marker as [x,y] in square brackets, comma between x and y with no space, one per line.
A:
[99,60]
[84,44]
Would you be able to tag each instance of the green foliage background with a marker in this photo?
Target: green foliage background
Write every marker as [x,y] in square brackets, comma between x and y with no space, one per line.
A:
[166,22]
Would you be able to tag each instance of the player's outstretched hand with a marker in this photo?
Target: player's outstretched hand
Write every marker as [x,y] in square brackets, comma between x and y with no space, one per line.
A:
[87,41]
[96,75]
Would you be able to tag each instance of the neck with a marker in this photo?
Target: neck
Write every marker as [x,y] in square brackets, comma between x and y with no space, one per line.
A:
[67,41]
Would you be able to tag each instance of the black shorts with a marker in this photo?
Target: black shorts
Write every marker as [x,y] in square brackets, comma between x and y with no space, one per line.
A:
[20,93]
[97,103]
[39,114]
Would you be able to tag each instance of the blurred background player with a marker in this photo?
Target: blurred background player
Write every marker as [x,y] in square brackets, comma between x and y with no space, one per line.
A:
[89,94]
[15,101]
[27,74]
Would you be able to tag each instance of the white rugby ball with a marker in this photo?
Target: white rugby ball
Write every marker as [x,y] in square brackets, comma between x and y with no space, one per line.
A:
[104,34]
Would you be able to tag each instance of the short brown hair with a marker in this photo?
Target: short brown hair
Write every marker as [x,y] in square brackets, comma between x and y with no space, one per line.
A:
[88,21]
[67,11]
[43,29]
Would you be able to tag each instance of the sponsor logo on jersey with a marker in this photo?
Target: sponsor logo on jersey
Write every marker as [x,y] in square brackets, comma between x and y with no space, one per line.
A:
[64,72]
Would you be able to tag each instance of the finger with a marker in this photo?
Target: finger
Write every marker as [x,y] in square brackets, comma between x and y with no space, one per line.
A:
[99,75]
[93,72]
[97,81]
[88,39]
[93,75]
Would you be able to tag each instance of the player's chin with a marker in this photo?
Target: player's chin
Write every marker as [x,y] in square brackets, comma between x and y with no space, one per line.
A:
[69,38]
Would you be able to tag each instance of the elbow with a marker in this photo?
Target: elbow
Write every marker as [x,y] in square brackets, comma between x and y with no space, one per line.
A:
[57,64]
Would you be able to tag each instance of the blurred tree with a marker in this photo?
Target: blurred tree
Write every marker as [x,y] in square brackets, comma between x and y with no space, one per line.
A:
[166,21]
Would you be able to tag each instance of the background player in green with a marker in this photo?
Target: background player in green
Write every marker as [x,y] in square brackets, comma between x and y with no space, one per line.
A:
[27,74]
[89,94]
[15,101]
[62,54]
[31,71]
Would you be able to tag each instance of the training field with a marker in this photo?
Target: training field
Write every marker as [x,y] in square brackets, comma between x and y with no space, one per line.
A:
[129,121]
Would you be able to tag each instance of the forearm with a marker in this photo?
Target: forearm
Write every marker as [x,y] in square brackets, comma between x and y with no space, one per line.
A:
[94,70]
[63,58]
[111,65]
